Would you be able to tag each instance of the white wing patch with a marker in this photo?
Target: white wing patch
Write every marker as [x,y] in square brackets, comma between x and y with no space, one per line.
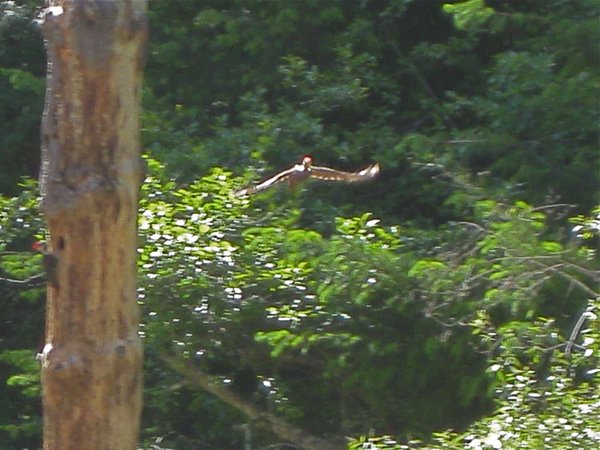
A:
[299,172]
[327,174]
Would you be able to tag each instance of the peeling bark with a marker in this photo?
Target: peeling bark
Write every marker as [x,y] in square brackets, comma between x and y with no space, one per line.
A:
[90,178]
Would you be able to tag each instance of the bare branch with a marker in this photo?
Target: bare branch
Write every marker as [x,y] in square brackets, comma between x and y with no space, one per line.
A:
[572,279]
[575,332]
[33,281]
[275,424]
[554,206]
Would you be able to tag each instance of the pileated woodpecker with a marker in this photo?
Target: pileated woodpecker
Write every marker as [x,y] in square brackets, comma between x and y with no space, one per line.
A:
[50,261]
[304,170]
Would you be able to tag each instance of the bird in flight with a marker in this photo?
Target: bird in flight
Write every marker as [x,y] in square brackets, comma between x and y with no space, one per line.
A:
[300,172]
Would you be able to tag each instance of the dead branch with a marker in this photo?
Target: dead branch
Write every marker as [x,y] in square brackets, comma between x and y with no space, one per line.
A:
[278,426]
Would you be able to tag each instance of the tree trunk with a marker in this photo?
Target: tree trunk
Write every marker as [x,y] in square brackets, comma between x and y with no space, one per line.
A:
[90,177]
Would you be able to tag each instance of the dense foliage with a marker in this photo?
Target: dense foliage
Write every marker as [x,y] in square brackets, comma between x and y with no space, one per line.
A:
[452,303]
[22,69]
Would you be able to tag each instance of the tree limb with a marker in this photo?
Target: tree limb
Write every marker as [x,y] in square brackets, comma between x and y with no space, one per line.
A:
[275,424]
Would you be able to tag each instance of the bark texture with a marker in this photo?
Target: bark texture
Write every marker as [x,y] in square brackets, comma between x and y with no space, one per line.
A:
[90,178]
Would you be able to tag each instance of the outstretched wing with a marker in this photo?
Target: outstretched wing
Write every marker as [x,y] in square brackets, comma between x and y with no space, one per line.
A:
[325,173]
[266,184]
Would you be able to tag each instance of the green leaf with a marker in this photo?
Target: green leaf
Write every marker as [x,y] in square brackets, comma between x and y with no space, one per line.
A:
[551,246]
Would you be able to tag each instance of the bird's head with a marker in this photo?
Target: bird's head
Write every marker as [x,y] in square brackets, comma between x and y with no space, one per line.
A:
[307,161]
[38,247]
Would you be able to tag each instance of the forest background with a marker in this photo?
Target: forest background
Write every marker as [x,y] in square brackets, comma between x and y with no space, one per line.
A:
[451,303]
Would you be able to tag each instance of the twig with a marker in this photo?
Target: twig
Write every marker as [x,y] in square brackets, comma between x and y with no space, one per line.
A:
[33,281]
[554,206]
